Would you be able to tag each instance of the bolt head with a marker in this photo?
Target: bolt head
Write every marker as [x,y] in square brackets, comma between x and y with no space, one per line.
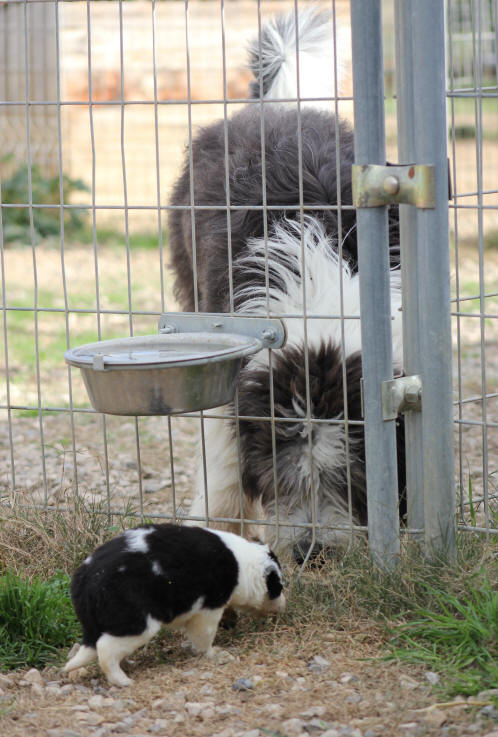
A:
[391,185]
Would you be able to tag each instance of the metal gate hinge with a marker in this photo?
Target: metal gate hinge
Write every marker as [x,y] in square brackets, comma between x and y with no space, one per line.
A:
[270,331]
[401,395]
[408,184]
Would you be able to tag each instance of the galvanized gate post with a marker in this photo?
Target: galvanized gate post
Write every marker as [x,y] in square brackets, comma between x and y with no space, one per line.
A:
[373,261]
[422,132]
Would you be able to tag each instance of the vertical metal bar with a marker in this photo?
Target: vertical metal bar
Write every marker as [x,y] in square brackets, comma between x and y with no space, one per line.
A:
[94,237]
[426,20]
[477,56]
[373,261]
[62,240]
[33,244]
[451,79]
[410,270]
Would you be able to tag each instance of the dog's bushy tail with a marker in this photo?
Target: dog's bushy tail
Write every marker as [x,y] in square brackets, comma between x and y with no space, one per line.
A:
[273,57]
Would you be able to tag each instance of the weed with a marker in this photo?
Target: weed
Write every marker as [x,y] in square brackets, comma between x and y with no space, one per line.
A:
[457,636]
[36,620]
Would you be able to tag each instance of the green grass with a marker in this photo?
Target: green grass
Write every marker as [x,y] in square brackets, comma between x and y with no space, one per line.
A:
[36,620]
[457,636]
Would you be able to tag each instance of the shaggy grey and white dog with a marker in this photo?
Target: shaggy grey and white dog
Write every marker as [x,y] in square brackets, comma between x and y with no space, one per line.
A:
[183,577]
[296,268]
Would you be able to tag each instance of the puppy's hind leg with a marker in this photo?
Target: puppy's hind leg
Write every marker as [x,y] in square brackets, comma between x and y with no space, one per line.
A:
[201,629]
[111,650]
[84,656]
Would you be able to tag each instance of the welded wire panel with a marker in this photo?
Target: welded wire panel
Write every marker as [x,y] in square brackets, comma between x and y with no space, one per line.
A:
[472,90]
[101,105]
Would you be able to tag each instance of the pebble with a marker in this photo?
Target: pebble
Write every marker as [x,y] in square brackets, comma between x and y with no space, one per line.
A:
[330,733]
[490,693]
[273,710]
[353,698]
[293,726]
[201,709]
[318,664]
[432,677]
[33,676]
[250,733]
[6,682]
[408,683]
[489,711]
[435,718]
[348,678]
[242,684]
[313,711]
[160,725]
[494,733]
[62,733]
[316,725]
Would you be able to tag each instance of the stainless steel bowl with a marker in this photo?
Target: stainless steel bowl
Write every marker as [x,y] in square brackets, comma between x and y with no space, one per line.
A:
[162,374]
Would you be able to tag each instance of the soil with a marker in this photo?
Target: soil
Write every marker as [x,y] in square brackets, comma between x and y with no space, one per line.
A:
[175,692]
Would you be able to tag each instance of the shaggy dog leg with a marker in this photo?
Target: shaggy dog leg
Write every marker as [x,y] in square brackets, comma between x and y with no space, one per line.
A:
[84,656]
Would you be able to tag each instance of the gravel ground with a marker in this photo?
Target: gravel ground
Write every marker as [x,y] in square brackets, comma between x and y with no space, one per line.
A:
[336,693]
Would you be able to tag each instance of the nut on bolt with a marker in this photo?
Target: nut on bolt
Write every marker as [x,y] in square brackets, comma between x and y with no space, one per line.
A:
[269,335]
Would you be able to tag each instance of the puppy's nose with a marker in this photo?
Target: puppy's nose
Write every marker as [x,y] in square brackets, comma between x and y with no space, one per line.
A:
[301,548]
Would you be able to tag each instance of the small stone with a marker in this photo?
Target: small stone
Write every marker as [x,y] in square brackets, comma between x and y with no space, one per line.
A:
[348,678]
[281,674]
[314,711]
[273,710]
[432,677]
[490,693]
[226,710]
[489,712]
[66,689]
[370,733]
[494,733]
[206,690]
[409,725]
[160,725]
[242,684]
[435,718]
[89,717]
[330,733]
[195,708]
[95,702]
[353,698]
[316,725]
[37,689]
[103,731]
[408,683]
[318,664]
[179,719]
[250,733]
[6,682]
[62,733]
[293,726]
[34,676]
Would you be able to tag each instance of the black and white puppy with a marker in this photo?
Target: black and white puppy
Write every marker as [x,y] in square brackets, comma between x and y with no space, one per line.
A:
[183,577]
[288,267]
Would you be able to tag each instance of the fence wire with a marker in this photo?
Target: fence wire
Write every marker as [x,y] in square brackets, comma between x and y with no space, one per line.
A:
[89,146]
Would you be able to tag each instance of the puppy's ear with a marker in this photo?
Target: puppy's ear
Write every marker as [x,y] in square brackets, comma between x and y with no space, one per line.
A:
[274,583]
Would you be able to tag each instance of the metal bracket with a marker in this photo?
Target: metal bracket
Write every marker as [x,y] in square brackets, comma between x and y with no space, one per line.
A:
[409,184]
[270,331]
[401,395]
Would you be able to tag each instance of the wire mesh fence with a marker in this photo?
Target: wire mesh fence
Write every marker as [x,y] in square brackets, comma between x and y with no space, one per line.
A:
[97,103]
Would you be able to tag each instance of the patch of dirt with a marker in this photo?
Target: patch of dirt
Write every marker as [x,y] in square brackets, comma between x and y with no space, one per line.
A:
[177,693]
